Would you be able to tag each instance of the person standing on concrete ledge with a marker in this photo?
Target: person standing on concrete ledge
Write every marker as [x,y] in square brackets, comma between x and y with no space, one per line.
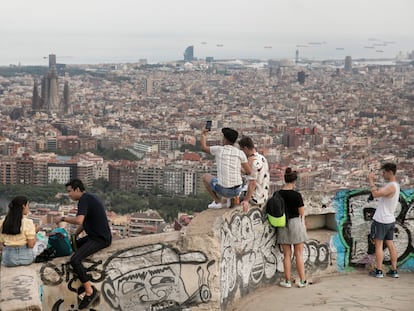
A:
[230,161]
[258,181]
[17,234]
[91,218]
[295,231]
[382,228]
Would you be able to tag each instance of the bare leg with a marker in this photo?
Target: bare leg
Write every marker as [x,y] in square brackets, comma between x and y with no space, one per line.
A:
[88,288]
[287,260]
[206,180]
[379,253]
[393,253]
[300,264]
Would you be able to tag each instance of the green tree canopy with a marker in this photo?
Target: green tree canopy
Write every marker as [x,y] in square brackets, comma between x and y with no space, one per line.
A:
[118,201]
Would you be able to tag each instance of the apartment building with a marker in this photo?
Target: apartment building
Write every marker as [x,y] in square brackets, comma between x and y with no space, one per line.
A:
[61,173]
[85,172]
[145,223]
[8,175]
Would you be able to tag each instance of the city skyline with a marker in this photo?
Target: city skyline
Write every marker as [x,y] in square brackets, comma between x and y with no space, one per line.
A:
[140,109]
[99,31]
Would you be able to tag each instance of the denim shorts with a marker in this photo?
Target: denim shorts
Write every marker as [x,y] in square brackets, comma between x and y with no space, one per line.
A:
[17,256]
[225,192]
[382,231]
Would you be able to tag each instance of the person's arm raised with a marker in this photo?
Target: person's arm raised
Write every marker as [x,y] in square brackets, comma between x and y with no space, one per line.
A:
[203,141]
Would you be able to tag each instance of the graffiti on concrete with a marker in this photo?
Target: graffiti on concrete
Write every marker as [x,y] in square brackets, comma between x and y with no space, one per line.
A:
[354,217]
[316,255]
[52,275]
[249,254]
[156,277]
[18,289]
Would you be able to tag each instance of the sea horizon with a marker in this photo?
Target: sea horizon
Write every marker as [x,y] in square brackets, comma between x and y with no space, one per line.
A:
[158,48]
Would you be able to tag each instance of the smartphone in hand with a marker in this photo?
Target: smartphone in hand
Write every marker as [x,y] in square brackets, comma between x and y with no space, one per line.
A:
[208,125]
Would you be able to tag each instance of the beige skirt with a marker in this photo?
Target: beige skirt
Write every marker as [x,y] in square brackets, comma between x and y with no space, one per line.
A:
[293,234]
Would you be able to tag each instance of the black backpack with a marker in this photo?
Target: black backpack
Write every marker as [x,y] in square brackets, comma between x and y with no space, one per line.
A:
[276,212]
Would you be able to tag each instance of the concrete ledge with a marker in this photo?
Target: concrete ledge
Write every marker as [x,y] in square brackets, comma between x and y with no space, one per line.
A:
[321,221]
[246,256]
[20,288]
[40,286]
[223,256]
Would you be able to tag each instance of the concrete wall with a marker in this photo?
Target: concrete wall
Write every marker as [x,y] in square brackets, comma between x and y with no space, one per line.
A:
[221,256]
[248,257]
[19,289]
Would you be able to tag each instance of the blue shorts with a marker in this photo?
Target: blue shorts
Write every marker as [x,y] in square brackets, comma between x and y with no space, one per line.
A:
[381,231]
[225,192]
[17,256]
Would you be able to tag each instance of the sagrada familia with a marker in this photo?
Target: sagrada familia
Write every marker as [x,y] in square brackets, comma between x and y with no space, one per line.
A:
[48,100]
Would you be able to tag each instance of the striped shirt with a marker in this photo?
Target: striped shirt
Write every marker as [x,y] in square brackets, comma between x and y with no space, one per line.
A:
[228,160]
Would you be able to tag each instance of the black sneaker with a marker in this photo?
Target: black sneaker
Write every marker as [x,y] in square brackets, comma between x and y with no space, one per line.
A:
[392,273]
[376,273]
[87,301]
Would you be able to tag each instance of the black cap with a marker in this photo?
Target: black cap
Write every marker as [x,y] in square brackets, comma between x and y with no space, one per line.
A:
[230,134]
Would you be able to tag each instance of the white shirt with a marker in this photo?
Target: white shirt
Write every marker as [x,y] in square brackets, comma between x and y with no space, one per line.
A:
[386,206]
[260,173]
[228,160]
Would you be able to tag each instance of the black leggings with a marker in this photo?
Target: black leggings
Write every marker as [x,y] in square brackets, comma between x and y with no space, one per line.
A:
[86,247]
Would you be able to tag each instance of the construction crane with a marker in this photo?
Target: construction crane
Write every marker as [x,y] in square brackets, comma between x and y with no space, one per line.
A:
[60,57]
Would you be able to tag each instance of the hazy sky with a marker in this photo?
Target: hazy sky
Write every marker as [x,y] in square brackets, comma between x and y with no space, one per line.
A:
[23,20]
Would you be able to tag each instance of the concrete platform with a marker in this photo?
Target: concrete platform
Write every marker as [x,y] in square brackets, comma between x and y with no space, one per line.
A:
[19,289]
[344,292]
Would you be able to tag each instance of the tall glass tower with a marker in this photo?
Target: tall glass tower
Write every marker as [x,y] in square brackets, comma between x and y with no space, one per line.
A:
[189,54]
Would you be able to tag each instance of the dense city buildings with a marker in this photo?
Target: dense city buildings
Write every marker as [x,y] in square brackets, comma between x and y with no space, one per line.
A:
[343,120]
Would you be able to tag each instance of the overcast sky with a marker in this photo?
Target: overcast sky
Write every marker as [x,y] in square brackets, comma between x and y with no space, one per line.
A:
[316,19]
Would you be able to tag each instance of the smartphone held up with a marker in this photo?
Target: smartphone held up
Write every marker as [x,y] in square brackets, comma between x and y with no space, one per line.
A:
[208,125]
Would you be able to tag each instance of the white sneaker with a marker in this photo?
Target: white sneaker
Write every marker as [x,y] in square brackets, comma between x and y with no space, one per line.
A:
[286,284]
[215,205]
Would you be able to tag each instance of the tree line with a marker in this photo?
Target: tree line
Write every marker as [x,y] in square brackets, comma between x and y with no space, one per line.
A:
[119,201]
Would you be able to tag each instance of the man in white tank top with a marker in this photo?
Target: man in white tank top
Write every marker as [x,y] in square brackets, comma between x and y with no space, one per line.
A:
[382,229]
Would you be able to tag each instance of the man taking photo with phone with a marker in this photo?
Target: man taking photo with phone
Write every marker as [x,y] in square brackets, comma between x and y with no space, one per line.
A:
[382,229]
[230,161]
